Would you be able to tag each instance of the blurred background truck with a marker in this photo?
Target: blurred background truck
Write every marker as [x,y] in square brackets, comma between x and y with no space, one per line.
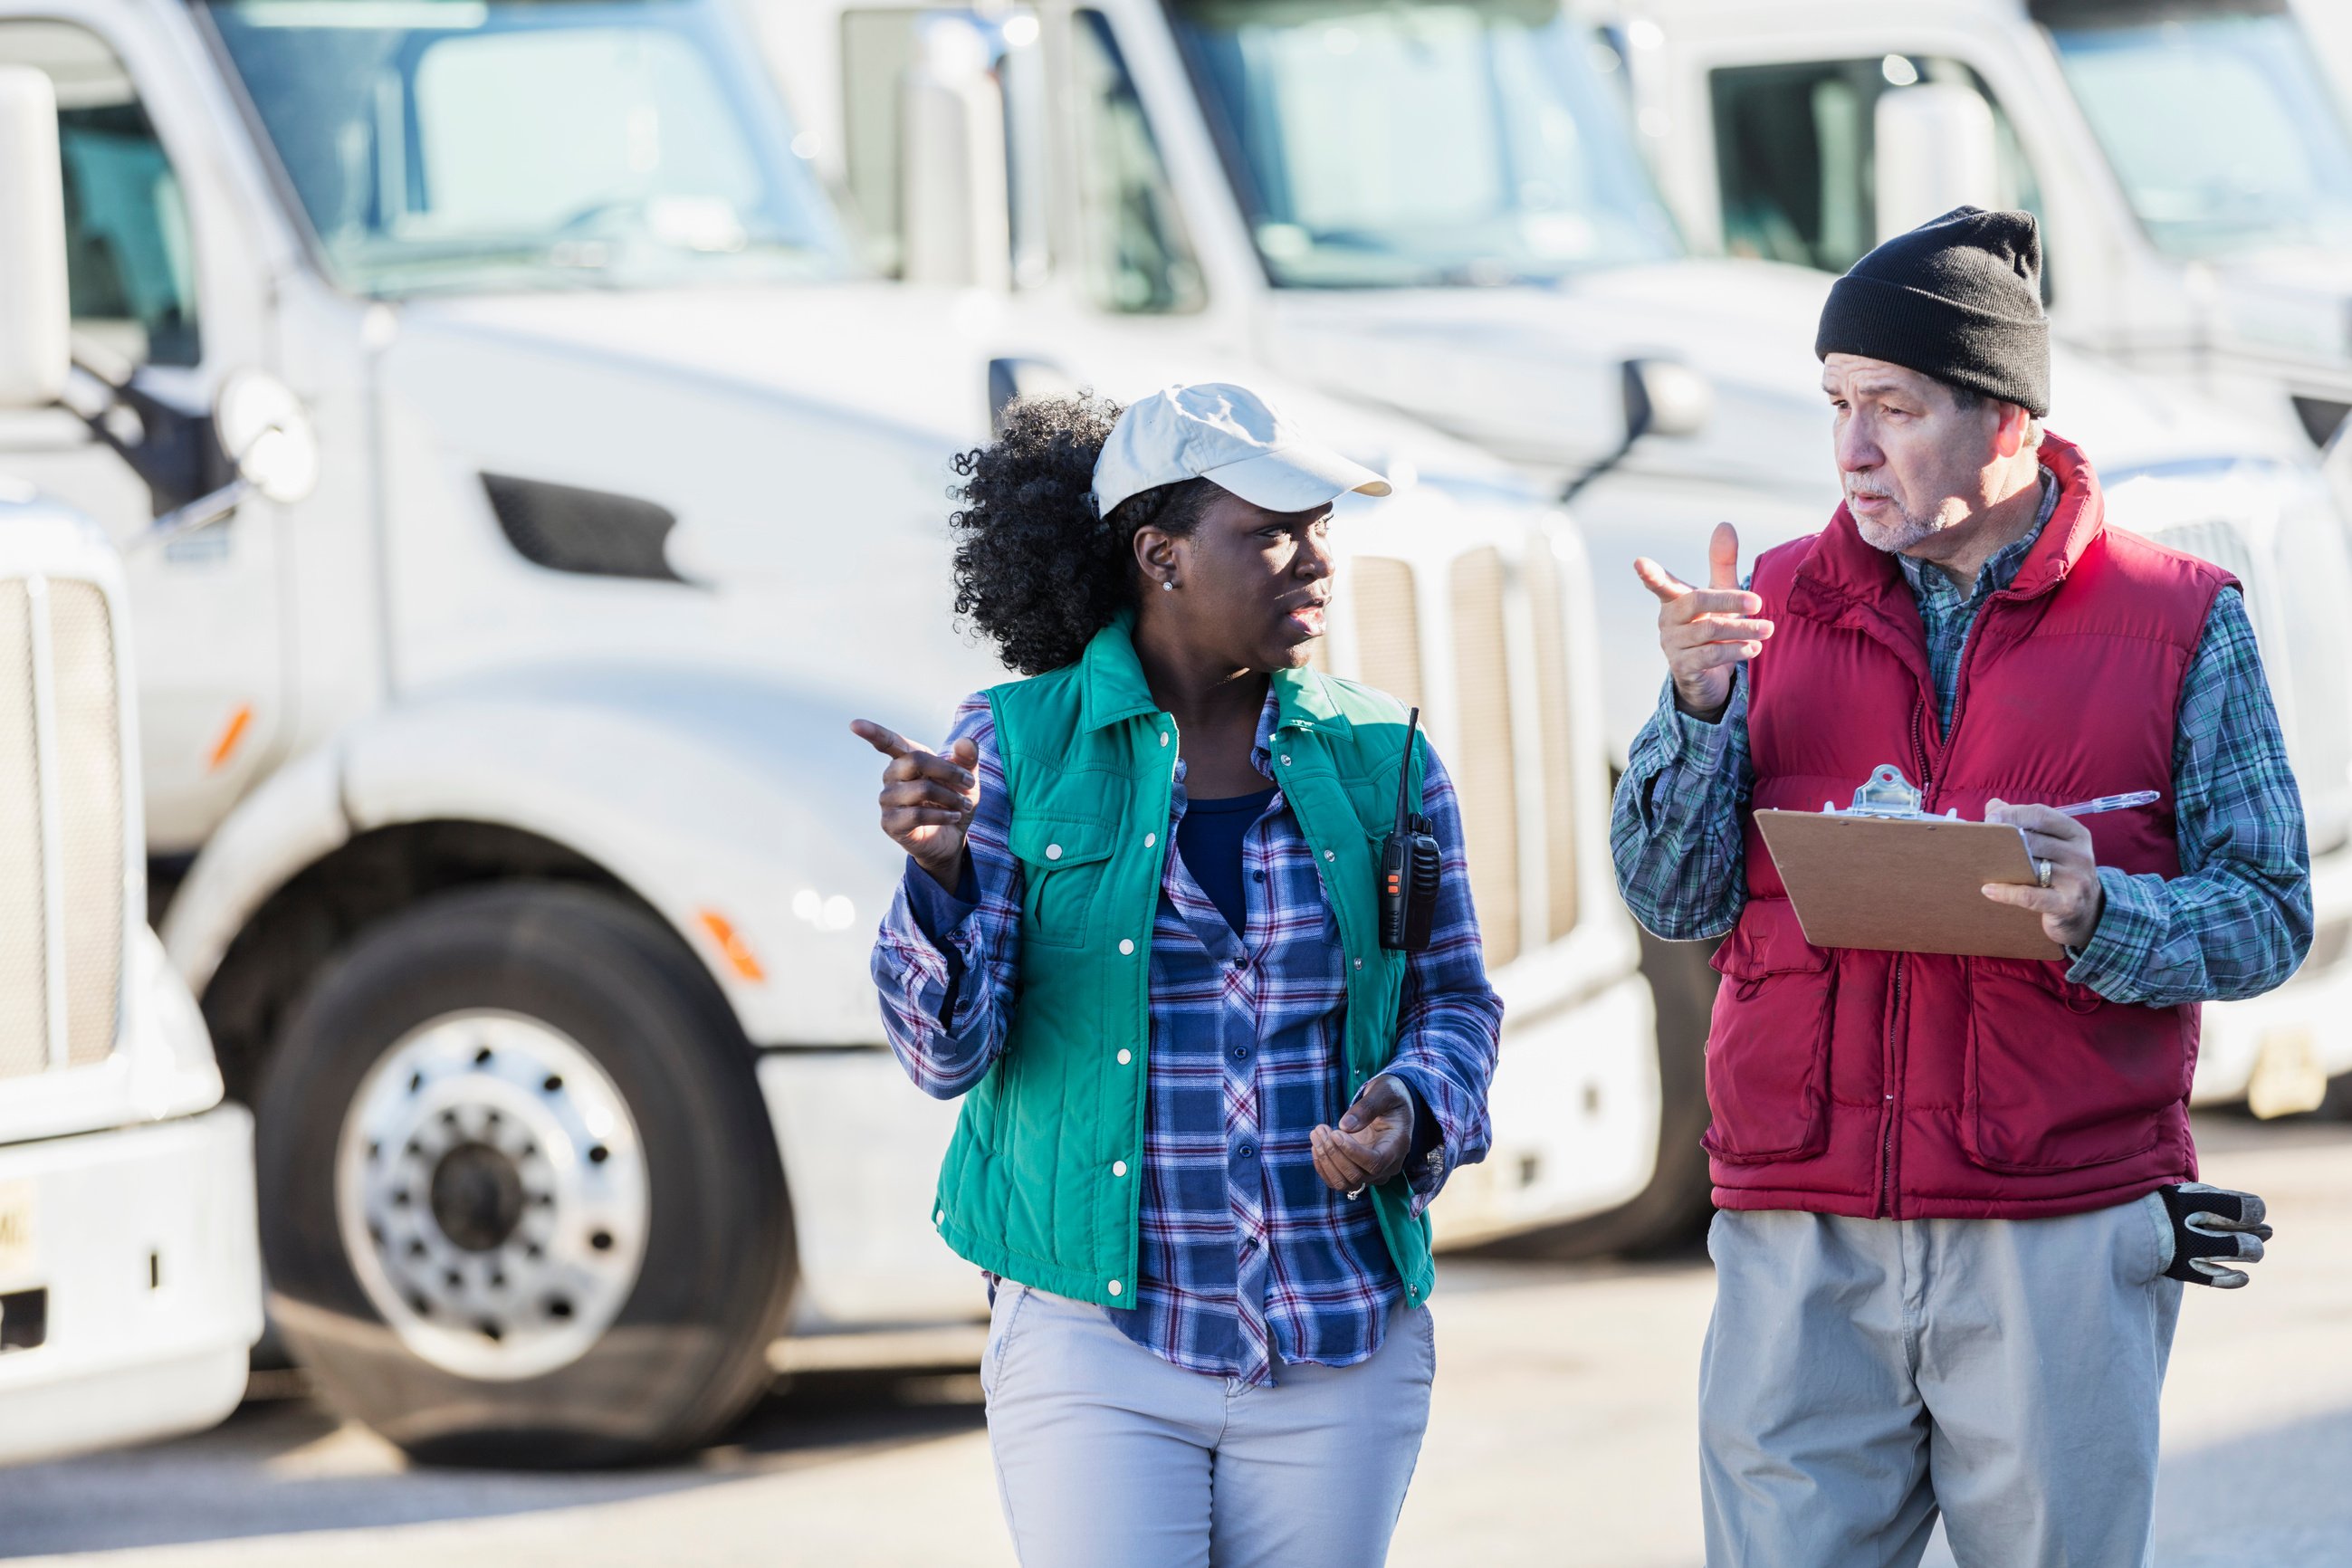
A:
[128,1285]
[1441,207]
[2190,160]
[500,801]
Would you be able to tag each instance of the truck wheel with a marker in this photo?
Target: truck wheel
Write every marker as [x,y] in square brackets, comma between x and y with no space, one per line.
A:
[1672,1210]
[521,1202]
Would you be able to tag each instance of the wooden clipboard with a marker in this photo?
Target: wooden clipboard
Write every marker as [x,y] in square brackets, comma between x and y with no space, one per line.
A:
[1905,884]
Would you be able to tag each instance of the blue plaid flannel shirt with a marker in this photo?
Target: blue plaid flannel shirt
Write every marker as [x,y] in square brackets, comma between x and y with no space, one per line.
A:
[2236,922]
[1246,1257]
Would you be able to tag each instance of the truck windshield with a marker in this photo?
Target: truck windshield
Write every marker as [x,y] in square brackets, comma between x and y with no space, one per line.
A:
[1413,143]
[495,144]
[2223,133]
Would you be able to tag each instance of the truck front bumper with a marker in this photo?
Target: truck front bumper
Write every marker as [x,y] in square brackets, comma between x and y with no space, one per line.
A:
[130,1283]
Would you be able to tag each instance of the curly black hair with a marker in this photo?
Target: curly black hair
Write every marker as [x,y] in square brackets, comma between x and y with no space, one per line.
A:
[1036,570]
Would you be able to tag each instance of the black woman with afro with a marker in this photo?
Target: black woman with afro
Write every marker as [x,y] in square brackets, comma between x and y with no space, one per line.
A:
[1204,1108]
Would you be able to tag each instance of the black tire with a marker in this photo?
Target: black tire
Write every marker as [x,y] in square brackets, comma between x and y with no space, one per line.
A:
[1673,1210]
[688,1353]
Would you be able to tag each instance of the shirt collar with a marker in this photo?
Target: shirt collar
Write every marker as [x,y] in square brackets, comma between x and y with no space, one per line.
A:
[1112,687]
[1998,572]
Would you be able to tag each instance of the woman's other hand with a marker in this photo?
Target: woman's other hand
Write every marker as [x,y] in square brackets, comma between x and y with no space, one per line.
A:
[927,798]
[1370,1143]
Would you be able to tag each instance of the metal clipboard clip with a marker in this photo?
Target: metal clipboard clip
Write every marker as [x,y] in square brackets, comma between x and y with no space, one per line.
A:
[1887,793]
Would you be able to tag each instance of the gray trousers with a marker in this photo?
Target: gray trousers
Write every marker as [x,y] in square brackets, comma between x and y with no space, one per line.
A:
[1859,1375]
[1109,1457]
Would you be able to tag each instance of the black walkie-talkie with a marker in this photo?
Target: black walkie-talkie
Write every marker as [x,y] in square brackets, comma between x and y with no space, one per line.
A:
[1409,864]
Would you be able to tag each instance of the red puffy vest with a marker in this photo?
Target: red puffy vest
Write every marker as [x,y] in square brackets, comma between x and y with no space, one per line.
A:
[1915,1084]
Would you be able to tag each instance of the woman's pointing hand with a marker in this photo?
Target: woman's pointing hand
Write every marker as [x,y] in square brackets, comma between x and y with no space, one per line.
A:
[927,798]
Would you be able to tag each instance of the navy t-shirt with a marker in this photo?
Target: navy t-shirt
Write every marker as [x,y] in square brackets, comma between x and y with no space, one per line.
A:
[1209,839]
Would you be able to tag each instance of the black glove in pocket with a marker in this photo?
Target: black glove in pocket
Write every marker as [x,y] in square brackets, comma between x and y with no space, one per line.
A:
[2213,1228]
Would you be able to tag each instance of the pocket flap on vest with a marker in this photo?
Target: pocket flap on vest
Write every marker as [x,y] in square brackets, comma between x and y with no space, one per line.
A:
[1768,941]
[1049,843]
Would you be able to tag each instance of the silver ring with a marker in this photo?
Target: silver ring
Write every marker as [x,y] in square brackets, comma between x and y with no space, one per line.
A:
[2042,869]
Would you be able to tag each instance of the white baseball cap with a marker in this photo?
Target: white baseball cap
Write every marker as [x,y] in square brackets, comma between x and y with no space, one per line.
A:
[1229,436]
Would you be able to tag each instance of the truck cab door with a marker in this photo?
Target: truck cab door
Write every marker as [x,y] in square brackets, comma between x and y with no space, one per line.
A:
[162,288]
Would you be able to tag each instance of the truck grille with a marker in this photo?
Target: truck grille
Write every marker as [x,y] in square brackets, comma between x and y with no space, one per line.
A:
[61,827]
[2297,577]
[1501,714]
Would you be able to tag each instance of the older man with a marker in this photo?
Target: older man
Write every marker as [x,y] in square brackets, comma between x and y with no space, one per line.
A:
[1954,1190]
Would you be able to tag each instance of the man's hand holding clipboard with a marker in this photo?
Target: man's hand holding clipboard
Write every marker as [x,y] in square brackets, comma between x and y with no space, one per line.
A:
[2070,898]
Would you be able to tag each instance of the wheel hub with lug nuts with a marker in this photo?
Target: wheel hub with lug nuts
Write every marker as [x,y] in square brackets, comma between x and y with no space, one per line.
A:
[492,1195]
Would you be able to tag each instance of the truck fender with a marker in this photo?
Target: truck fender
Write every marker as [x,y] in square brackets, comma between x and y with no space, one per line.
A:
[730,806]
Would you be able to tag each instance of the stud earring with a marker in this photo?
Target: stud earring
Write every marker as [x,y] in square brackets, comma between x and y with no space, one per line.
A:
[1168,585]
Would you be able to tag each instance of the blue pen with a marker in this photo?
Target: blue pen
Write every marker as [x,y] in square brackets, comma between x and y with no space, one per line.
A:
[2110,802]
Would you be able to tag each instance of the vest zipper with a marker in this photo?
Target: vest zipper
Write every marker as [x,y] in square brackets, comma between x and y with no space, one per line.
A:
[1894,1012]
[1886,1134]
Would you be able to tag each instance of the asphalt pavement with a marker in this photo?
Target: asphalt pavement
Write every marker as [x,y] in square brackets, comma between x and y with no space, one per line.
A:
[1561,1436]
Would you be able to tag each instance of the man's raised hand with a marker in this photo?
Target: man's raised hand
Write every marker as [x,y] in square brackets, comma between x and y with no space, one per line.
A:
[927,798]
[1708,632]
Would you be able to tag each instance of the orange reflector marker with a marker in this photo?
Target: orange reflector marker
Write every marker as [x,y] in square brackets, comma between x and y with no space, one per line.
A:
[738,954]
[232,736]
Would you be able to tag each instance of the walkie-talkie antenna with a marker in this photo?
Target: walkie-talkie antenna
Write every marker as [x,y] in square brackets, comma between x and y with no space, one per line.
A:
[1404,770]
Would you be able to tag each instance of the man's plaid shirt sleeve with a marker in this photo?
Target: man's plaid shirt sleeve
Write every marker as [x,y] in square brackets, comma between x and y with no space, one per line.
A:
[1674,828]
[945,965]
[2237,920]
[1450,1019]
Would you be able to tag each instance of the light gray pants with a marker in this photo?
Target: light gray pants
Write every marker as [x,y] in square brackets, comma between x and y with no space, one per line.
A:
[1860,1374]
[1109,1457]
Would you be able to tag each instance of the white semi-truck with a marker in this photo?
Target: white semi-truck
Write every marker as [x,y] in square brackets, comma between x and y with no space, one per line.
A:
[505,815]
[128,1284]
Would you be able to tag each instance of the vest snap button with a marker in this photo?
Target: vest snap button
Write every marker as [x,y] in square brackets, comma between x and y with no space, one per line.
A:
[1150,839]
[1053,852]
[1163,737]
[1125,945]
[1359,964]
[1329,855]
[1114,1287]
[1118,1167]
[1125,1057]
[1286,762]
[940,1217]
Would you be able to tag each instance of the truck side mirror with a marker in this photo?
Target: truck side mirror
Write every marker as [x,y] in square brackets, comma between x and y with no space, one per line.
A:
[35,315]
[1665,398]
[267,434]
[1936,149]
[269,440]
[1662,398]
[953,197]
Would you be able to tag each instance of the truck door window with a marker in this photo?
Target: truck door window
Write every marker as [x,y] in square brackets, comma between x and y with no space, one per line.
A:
[2220,128]
[1138,256]
[1793,154]
[130,266]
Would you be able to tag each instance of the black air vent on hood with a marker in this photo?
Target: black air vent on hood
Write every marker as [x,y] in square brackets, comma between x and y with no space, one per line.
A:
[566,529]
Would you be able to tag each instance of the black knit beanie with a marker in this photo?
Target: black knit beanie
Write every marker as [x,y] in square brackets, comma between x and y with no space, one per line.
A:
[1959,299]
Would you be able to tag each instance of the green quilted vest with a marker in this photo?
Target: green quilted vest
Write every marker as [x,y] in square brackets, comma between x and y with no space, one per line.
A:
[1040,1183]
